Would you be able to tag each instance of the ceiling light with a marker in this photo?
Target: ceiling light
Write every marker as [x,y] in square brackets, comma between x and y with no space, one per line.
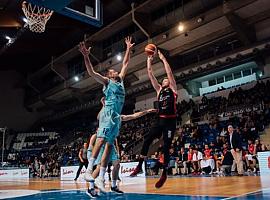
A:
[76,78]
[181,27]
[119,57]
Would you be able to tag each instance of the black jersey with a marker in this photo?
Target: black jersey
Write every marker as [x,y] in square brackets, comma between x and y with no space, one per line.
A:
[167,103]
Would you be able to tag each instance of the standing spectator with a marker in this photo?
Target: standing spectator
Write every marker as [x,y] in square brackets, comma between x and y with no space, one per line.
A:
[236,149]
[82,159]
[42,162]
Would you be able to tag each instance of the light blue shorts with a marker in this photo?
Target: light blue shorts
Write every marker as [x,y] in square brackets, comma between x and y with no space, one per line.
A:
[109,125]
[113,156]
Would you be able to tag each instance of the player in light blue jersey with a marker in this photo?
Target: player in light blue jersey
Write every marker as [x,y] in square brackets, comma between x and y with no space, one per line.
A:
[110,120]
[114,155]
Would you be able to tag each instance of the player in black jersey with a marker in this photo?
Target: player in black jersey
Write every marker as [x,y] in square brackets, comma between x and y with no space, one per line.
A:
[166,121]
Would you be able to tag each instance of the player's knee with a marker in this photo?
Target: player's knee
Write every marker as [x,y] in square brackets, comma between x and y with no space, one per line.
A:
[100,141]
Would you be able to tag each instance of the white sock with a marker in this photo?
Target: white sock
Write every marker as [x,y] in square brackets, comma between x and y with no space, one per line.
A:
[113,183]
[92,185]
[91,164]
[102,172]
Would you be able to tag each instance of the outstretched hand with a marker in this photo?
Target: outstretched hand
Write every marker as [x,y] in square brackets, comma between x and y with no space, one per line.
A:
[160,55]
[128,42]
[83,49]
[151,110]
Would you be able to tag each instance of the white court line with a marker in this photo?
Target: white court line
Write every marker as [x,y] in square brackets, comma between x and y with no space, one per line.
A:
[245,194]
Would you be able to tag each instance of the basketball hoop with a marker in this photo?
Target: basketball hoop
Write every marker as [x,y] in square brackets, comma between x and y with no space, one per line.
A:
[37,17]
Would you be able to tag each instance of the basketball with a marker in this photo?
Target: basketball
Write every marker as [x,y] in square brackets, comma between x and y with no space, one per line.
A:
[150,49]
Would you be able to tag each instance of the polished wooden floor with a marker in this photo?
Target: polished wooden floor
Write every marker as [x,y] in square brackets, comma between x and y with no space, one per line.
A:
[206,186]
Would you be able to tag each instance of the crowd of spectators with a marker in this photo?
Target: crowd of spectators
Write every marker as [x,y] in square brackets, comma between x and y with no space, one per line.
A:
[195,146]
[239,98]
[203,148]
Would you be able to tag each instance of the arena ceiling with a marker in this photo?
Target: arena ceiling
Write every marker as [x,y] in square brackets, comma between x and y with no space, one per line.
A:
[33,51]
[213,27]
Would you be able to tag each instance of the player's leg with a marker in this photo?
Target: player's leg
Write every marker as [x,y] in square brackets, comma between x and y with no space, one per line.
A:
[104,163]
[91,190]
[109,171]
[115,172]
[101,136]
[168,130]
[155,132]
[99,142]
[79,170]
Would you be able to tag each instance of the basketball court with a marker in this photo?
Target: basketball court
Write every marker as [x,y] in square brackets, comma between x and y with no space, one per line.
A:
[247,187]
[38,14]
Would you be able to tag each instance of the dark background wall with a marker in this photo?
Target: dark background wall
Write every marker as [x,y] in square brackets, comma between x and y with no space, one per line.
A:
[12,111]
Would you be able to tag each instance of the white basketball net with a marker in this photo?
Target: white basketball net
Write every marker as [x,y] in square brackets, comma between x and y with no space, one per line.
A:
[36,16]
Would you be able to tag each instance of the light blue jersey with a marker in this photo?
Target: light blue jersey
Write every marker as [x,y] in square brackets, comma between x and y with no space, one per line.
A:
[110,116]
[114,96]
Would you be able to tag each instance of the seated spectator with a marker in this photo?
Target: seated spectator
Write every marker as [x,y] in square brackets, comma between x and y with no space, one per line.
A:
[219,142]
[227,160]
[223,133]
[181,162]
[159,163]
[207,163]
[196,161]
[172,161]
[250,157]
[189,160]
[218,158]
[259,147]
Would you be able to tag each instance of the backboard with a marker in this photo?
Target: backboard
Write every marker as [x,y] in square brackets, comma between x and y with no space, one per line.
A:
[88,11]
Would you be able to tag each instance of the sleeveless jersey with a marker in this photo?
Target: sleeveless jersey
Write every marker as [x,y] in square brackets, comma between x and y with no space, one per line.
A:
[167,103]
[114,96]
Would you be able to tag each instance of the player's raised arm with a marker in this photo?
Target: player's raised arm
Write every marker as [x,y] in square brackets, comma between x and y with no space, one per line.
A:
[126,58]
[85,52]
[152,78]
[168,71]
[137,115]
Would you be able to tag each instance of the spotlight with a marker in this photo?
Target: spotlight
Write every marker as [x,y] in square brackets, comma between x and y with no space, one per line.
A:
[119,57]
[200,20]
[181,27]
[76,78]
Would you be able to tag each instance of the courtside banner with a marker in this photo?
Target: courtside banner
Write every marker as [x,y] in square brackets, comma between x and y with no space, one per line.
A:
[14,174]
[264,162]
[69,173]
[127,168]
